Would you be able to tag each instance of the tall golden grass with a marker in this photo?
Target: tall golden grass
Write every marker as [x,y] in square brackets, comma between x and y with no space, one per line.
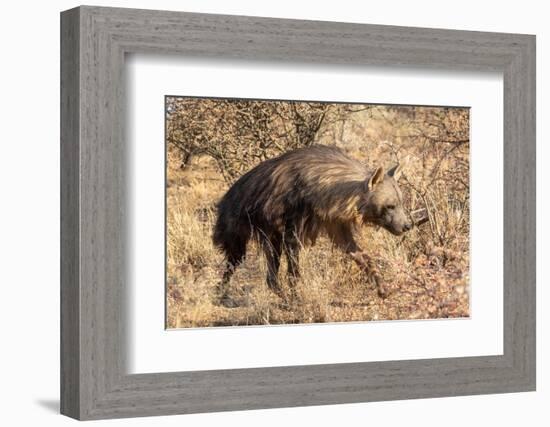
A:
[426,270]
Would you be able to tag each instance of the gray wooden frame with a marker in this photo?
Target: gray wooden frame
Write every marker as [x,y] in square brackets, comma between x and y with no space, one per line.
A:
[94,382]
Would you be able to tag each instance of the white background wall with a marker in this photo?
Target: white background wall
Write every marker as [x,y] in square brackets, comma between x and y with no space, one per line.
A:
[29,212]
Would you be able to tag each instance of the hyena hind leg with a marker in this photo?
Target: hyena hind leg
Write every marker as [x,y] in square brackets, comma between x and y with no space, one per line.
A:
[234,257]
[292,252]
[272,251]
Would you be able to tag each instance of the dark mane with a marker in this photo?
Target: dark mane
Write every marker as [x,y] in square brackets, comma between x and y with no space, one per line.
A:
[310,187]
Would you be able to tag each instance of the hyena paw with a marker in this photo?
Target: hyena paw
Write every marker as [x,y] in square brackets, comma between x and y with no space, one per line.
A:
[228,302]
[223,298]
[382,288]
[383,291]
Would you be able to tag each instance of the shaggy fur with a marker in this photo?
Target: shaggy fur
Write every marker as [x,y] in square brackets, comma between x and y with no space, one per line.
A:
[287,201]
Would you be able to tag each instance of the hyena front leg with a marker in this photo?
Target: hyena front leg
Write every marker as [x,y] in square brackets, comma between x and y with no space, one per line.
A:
[342,236]
[367,264]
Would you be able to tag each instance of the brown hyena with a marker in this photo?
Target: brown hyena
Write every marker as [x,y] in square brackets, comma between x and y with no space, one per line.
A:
[287,201]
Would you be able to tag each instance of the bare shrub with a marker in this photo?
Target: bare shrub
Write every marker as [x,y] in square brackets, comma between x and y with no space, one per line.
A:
[238,133]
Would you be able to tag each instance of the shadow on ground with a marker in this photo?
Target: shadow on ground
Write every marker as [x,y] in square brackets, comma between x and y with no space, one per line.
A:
[51,405]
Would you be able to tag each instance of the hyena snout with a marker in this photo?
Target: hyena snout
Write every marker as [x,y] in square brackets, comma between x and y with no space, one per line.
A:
[397,222]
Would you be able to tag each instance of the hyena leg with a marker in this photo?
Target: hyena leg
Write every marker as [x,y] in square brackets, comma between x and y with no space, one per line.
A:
[272,250]
[234,256]
[292,252]
[342,236]
[367,264]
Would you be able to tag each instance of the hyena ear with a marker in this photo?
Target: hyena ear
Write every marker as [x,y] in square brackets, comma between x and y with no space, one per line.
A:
[376,178]
[395,172]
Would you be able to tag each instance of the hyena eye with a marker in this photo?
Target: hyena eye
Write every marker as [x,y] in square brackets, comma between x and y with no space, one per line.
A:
[390,207]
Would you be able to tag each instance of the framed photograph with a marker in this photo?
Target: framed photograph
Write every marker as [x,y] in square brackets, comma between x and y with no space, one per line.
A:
[261,213]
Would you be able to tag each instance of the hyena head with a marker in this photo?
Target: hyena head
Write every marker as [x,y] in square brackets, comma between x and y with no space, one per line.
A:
[383,204]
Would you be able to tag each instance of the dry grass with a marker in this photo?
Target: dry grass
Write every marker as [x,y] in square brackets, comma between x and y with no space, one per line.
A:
[427,269]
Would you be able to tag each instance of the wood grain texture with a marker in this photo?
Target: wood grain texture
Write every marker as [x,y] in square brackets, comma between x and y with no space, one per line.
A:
[95,274]
[70,221]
